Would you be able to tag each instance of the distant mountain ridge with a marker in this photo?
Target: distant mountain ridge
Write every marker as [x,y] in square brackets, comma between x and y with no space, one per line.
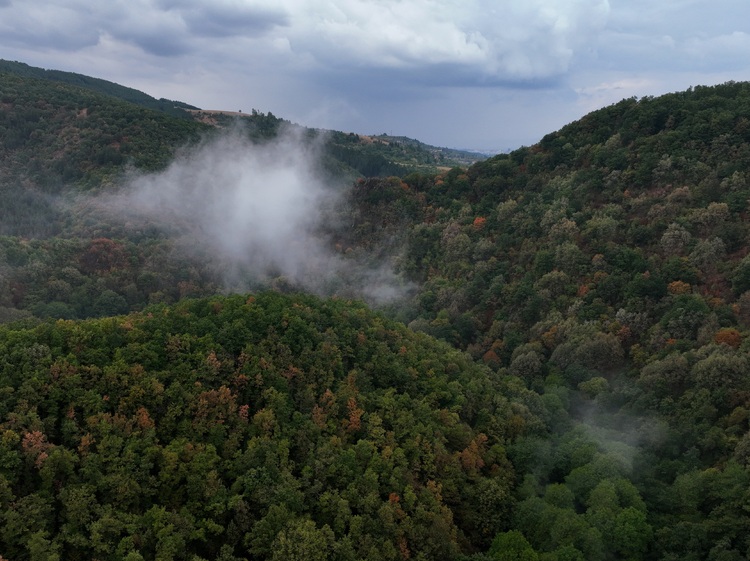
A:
[390,156]
[174,108]
[55,135]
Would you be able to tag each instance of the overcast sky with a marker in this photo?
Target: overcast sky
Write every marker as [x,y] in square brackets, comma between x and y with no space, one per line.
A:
[479,74]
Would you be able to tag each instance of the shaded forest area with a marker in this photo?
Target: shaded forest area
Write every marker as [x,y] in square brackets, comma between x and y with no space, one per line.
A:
[589,397]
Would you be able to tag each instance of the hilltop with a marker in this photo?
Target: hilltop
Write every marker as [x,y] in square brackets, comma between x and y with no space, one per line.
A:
[271,425]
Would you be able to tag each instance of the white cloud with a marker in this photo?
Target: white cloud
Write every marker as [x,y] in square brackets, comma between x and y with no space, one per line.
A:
[520,40]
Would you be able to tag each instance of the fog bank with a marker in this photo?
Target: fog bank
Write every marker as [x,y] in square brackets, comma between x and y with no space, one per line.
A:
[254,213]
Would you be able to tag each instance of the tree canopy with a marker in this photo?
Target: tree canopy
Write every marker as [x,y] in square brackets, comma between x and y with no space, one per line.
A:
[565,377]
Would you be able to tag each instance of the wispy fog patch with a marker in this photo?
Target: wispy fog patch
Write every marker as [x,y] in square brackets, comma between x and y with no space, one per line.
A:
[254,214]
[621,434]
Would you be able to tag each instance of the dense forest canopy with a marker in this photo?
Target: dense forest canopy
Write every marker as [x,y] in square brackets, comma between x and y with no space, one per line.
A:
[282,427]
[589,397]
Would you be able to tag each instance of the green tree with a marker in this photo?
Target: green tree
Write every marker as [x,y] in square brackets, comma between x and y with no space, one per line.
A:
[301,540]
[512,546]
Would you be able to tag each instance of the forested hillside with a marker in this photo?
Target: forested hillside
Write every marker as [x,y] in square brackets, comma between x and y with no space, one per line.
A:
[595,404]
[175,108]
[55,135]
[610,260]
[269,426]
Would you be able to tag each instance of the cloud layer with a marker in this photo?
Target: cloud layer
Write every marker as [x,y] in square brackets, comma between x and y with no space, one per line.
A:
[519,40]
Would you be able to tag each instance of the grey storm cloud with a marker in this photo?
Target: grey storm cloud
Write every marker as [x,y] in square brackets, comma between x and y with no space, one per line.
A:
[164,28]
[172,27]
[219,20]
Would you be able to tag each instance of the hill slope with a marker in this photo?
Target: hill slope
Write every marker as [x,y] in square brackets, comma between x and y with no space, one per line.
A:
[611,259]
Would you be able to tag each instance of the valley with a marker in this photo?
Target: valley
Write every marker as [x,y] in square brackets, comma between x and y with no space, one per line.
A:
[252,340]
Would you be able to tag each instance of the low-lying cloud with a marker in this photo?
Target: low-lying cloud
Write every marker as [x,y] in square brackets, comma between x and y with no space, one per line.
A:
[253,213]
